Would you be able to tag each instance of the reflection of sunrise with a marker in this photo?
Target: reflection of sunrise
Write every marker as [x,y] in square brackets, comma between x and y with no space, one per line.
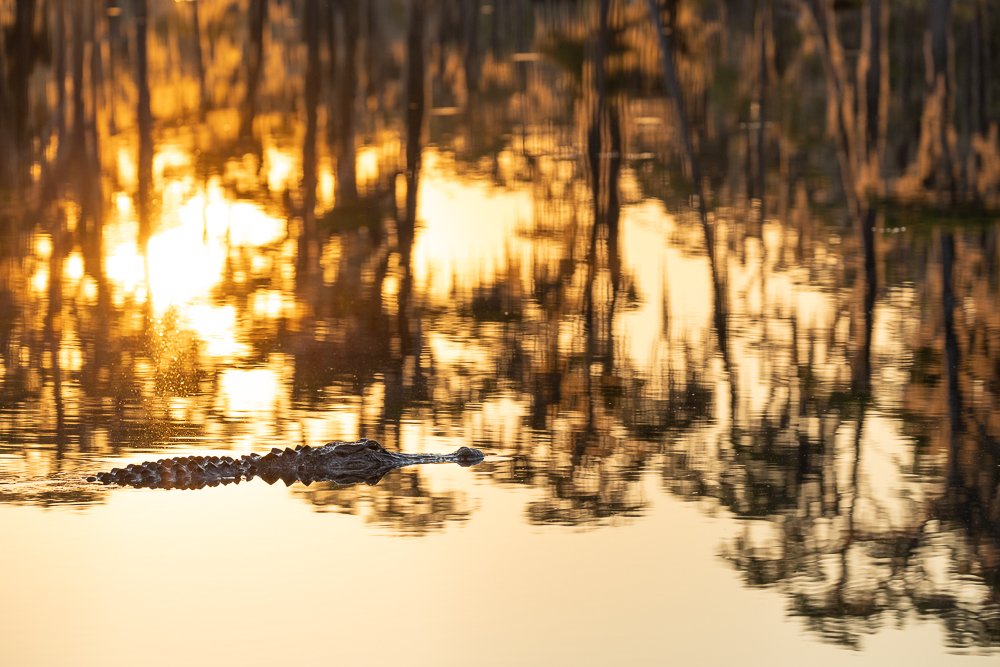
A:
[326,188]
[127,170]
[213,219]
[186,258]
[644,230]
[123,203]
[181,267]
[281,168]
[779,446]
[73,268]
[216,326]
[466,232]
[170,157]
[125,269]
[368,164]
[248,391]
[272,304]
[40,279]
[43,246]
[250,225]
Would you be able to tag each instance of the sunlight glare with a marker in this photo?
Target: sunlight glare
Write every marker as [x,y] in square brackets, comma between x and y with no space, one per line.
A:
[281,169]
[367,165]
[40,279]
[456,250]
[43,246]
[216,326]
[251,226]
[272,304]
[169,157]
[123,203]
[127,169]
[125,268]
[73,268]
[181,267]
[249,390]
[326,188]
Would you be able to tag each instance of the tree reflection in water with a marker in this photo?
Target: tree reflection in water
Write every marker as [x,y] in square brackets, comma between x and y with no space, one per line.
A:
[202,245]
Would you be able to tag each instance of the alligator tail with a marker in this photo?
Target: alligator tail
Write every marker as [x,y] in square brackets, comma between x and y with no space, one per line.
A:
[184,472]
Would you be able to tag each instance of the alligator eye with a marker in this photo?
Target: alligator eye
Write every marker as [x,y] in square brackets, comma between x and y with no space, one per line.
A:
[374,445]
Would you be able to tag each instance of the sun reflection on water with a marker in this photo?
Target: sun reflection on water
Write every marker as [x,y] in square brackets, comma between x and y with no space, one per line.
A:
[456,251]
[186,258]
[182,268]
[281,168]
[248,391]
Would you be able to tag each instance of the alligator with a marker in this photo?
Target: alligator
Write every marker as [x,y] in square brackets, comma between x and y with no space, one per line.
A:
[343,463]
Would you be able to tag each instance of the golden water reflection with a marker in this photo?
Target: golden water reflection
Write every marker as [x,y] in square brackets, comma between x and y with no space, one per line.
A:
[433,237]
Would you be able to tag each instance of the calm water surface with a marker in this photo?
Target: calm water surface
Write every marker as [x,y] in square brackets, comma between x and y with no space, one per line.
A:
[735,362]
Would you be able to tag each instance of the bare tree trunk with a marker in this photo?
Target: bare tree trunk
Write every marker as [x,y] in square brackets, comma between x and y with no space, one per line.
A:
[861,376]
[978,94]
[720,309]
[375,53]
[79,41]
[951,356]
[347,180]
[684,129]
[840,96]
[873,90]
[255,61]
[145,122]
[60,67]
[763,29]
[604,149]
[8,145]
[333,68]
[859,141]
[53,327]
[470,22]
[92,196]
[308,241]
[199,62]
[414,117]
[21,47]
[937,112]
[113,35]
[986,19]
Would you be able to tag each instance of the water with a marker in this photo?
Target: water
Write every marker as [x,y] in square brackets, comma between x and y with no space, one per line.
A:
[764,427]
